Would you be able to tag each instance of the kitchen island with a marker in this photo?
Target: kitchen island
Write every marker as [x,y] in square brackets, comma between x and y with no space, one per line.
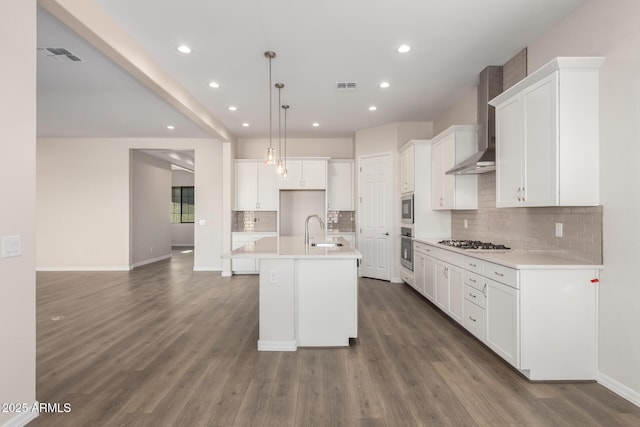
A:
[308,294]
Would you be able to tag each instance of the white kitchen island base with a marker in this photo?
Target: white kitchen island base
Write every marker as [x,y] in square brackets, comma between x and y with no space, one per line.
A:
[308,295]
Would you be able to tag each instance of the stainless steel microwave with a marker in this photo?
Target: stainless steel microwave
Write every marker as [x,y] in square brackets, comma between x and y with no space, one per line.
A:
[407,209]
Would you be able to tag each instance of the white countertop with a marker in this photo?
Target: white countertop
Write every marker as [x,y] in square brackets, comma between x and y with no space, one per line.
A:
[518,258]
[293,247]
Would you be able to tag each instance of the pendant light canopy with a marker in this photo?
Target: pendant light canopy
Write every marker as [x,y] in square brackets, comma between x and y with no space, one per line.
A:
[270,155]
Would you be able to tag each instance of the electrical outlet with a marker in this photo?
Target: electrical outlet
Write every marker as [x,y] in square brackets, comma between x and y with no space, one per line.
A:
[11,246]
[558,229]
[466,224]
[273,276]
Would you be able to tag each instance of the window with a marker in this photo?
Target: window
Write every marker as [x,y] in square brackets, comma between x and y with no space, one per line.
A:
[182,205]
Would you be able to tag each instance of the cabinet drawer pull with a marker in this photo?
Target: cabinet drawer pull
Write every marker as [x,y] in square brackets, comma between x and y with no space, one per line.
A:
[472,319]
[473,280]
[499,274]
[473,265]
[472,295]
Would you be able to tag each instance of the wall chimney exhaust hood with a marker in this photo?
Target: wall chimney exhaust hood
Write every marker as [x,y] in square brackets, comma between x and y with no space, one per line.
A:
[484,160]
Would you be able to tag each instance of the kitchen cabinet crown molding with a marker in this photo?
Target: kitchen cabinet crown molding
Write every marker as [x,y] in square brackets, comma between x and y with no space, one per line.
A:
[559,63]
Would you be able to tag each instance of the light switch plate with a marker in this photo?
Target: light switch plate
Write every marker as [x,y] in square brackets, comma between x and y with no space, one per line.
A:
[202,222]
[558,229]
[11,246]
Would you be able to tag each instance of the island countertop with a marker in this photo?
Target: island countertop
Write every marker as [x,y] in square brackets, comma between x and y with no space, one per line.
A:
[294,247]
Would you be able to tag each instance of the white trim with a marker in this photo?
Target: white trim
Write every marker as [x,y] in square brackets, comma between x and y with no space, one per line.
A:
[23,418]
[227,273]
[396,280]
[277,345]
[207,268]
[89,268]
[619,388]
[150,261]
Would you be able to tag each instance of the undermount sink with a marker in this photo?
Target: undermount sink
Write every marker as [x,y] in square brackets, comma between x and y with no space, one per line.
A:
[326,244]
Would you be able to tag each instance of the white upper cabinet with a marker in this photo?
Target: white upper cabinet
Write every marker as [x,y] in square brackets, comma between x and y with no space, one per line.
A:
[449,148]
[407,169]
[547,145]
[340,185]
[256,186]
[304,175]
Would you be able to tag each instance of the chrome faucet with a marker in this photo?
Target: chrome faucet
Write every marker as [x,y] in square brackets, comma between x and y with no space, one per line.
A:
[306,227]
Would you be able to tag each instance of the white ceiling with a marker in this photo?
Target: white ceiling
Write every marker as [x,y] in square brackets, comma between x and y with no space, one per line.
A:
[317,42]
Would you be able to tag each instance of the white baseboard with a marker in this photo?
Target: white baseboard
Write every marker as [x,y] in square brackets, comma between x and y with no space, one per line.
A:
[619,388]
[88,268]
[396,280]
[227,274]
[277,345]
[23,418]
[150,261]
[207,268]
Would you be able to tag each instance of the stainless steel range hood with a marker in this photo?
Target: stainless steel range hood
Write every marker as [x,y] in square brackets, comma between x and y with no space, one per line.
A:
[484,160]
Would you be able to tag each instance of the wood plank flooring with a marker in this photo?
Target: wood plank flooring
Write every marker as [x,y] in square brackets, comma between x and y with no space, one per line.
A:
[163,345]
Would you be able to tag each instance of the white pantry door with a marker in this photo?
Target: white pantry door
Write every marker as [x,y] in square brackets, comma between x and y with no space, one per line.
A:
[376,220]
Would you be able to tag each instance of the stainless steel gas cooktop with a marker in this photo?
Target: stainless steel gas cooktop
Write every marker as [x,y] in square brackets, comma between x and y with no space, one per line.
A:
[473,245]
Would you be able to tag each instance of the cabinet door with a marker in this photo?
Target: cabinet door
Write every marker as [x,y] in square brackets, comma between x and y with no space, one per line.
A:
[442,286]
[540,172]
[246,186]
[407,170]
[448,181]
[419,262]
[503,324]
[293,181]
[314,174]
[437,175]
[340,186]
[429,278]
[509,142]
[267,182]
[456,297]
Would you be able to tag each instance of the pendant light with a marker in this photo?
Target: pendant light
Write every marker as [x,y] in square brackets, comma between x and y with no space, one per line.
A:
[279,163]
[284,171]
[270,155]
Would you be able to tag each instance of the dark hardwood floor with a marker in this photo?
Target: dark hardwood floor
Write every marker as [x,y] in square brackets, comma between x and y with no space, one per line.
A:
[163,345]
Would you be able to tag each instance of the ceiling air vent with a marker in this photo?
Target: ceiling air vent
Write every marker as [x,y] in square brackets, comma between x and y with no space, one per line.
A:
[346,86]
[58,54]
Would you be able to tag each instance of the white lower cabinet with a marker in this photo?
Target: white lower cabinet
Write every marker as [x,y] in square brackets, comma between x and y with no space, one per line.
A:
[542,321]
[246,265]
[503,321]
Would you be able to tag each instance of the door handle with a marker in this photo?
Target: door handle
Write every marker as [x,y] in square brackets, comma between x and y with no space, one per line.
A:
[386,234]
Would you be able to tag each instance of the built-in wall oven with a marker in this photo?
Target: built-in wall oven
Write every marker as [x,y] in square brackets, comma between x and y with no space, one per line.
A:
[406,247]
[407,209]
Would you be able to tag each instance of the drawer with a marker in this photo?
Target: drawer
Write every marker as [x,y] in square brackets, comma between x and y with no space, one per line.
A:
[473,264]
[407,276]
[474,319]
[501,274]
[474,280]
[422,248]
[474,295]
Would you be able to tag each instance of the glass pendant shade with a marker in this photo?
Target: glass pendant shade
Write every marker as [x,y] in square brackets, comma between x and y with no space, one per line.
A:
[279,167]
[270,156]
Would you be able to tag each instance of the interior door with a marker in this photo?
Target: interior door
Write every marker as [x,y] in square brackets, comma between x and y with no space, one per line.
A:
[376,216]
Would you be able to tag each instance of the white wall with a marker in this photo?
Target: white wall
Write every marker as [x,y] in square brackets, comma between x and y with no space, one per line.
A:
[336,148]
[610,29]
[150,209]
[83,201]
[17,204]
[182,234]
[388,139]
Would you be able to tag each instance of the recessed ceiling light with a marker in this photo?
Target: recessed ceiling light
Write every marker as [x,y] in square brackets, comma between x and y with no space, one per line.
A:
[315,124]
[233,108]
[245,124]
[373,108]
[171,127]
[404,48]
[214,85]
[385,85]
[184,48]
